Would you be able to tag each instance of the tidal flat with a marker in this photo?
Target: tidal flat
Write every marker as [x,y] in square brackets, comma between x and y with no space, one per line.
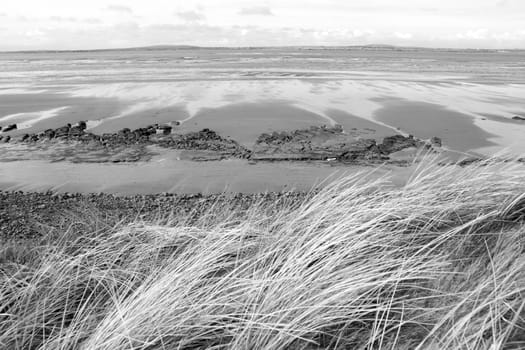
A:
[469,99]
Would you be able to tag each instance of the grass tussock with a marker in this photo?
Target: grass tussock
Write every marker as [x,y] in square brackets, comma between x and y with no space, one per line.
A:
[436,264]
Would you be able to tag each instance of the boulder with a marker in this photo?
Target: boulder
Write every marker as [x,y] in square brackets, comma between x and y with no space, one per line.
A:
[165,129]
[517,117]
[82,125]
[10,128]
[124,132]
[7,139]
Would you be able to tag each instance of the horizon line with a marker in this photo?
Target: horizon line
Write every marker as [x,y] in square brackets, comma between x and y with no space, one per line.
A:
[182,47]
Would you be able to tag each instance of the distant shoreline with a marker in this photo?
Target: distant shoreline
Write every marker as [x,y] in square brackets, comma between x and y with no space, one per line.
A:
[298,47]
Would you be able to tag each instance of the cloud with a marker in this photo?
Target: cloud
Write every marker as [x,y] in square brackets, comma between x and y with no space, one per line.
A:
[119,8]
[91,20]
[505,3]
[256,11]
[62,19]
[191,16]
[403,36]
[477,34]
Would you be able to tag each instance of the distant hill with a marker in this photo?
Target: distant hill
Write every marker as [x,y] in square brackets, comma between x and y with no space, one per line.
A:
[142,48]
[372,47]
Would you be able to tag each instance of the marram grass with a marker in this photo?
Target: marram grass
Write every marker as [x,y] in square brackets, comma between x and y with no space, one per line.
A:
[436,264]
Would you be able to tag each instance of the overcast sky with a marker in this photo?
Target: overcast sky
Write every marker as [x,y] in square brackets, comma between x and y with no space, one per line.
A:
[88,24]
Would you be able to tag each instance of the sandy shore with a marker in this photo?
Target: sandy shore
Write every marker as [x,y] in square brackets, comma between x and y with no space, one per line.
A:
[241,98]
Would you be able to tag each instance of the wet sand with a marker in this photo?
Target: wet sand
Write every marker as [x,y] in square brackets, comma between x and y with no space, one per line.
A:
[361,127]
[28,108]
[245,122]
[141,119]
[500,119]
[261,105]
[369,93]
[458,131]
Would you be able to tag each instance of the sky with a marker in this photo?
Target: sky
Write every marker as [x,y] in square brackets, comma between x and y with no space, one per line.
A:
[92,24]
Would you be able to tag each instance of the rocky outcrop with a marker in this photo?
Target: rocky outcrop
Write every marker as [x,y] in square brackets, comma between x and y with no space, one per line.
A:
[128,145]
[74,143]
[204,140]
[78,133]
[329,143]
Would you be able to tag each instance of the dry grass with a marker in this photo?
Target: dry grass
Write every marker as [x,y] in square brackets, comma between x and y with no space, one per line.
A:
[436,264]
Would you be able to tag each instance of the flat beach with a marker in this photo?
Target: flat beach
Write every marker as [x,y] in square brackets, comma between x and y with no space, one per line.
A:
[470,110]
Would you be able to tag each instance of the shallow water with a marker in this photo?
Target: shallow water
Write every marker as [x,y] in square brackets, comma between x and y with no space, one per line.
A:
[168,175]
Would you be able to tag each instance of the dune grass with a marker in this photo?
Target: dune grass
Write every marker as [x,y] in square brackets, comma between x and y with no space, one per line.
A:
[436,264]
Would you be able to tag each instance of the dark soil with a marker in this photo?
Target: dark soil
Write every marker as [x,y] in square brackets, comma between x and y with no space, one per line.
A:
[34,215]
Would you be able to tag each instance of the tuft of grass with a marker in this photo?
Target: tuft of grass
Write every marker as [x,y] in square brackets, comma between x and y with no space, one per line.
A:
[438,263]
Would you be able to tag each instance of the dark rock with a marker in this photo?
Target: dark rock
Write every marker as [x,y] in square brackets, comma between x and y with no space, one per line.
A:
[323,143]
[314,143]
[436,142]
[25,137]
[49,133]
[397,143]
[165,129]
[517,117]
[124,131]
[10,128]
[63,131]
[7,139]
[469,161]
[82,125]
[76,131]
